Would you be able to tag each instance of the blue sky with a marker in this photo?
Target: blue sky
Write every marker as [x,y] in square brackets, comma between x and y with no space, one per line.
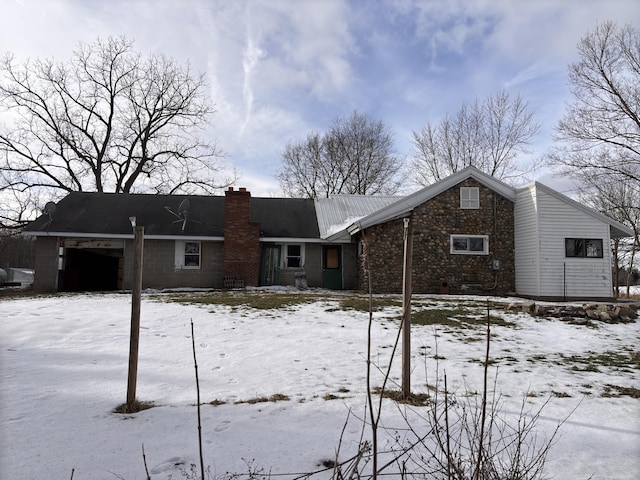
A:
[279,69]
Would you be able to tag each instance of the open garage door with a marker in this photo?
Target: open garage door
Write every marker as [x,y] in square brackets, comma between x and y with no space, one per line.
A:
[91,265]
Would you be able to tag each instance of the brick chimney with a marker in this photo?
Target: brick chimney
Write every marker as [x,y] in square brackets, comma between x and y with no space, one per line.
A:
[241,239]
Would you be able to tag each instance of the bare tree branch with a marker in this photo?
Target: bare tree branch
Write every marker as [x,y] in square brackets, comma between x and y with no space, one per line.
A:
[600,131]
[488,135]
[108,120]
[355,156]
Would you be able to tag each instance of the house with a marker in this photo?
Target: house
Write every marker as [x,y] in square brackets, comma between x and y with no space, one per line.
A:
[470,233]
[194,241]
[562,246]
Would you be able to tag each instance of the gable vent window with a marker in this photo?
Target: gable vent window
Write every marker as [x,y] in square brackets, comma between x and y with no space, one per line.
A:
[469,197]
[188,255]
[583,247]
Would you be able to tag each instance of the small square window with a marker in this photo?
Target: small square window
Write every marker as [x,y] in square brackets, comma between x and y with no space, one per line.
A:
[469,197]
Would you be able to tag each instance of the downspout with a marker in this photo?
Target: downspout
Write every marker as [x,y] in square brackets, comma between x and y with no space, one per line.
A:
[564,282]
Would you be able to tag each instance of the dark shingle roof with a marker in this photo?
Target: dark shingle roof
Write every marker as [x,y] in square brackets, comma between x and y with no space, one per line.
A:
[108,214]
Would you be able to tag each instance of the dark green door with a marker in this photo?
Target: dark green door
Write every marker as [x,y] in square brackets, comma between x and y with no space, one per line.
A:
[270,265]
[332,267]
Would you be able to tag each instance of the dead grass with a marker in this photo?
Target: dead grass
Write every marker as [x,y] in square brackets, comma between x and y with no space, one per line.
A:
[414,399]
[135,407]
[242,298]
[276,397]
[618,391]
[625,360]
[457,317]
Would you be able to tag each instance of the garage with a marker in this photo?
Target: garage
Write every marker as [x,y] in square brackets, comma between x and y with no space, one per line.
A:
[91,265]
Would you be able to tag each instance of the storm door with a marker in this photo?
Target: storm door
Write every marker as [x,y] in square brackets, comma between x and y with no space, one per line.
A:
[270,265]
[332,267]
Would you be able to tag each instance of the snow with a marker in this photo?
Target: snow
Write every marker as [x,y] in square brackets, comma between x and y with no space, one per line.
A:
[64,365]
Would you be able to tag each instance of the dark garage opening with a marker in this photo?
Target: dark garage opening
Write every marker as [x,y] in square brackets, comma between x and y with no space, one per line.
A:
[92,269]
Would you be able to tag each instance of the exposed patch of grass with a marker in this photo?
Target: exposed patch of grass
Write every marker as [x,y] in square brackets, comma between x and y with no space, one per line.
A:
[458,317]
[330,396]
[508,359]
[217,403]
[277,397]
[537,358]
[264,300]
[415,399]
[618,391]
[560,394]
[135,407]
[623,360]
[440,316]
[257,300]
[361,303]
[586,368]
[467,339]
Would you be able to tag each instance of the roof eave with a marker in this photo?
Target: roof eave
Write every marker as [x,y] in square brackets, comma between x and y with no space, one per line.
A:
[404,205]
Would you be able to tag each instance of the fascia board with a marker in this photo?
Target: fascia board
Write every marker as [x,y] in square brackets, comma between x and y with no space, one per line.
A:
[120,236]
[290,240]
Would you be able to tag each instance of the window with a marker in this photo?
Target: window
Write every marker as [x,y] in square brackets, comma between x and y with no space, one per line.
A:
[470,244]
[187,254]
[583,247]
[469,197]
[294,256]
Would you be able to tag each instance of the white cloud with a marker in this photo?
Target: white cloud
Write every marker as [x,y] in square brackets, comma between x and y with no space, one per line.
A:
[278,69]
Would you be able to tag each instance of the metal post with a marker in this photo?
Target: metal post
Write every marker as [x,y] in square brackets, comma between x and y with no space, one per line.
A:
[135,314]
[406,310]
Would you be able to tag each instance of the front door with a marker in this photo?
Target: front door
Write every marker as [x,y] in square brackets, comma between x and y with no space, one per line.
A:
[332,267]
[270,266]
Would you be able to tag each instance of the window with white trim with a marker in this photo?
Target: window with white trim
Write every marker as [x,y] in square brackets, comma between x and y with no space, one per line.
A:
[583,247]
[188,254]
[469,197]
[293,255]
[470,244]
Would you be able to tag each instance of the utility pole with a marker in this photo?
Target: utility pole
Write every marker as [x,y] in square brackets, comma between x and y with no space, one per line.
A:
[406,309]
[138,244]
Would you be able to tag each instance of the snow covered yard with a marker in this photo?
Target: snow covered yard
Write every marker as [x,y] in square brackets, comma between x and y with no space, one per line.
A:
[64,369]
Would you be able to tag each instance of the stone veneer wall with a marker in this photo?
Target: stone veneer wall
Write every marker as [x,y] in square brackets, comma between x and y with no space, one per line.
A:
[241,238]
[433,222]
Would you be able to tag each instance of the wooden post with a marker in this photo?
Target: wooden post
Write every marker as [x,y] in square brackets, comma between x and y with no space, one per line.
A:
[135,314]
[406,309]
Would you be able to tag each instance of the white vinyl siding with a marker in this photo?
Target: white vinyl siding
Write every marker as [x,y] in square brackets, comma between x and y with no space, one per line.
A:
[527,256]
[557,274]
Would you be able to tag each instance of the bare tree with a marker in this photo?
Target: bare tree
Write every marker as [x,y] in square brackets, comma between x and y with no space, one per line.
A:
[305,173]
[108,120]
[600,133]
[487,135]
[355,156]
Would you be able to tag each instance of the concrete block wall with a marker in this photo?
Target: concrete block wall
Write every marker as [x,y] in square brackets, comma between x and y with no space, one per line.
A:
[159,266]
[46,264]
